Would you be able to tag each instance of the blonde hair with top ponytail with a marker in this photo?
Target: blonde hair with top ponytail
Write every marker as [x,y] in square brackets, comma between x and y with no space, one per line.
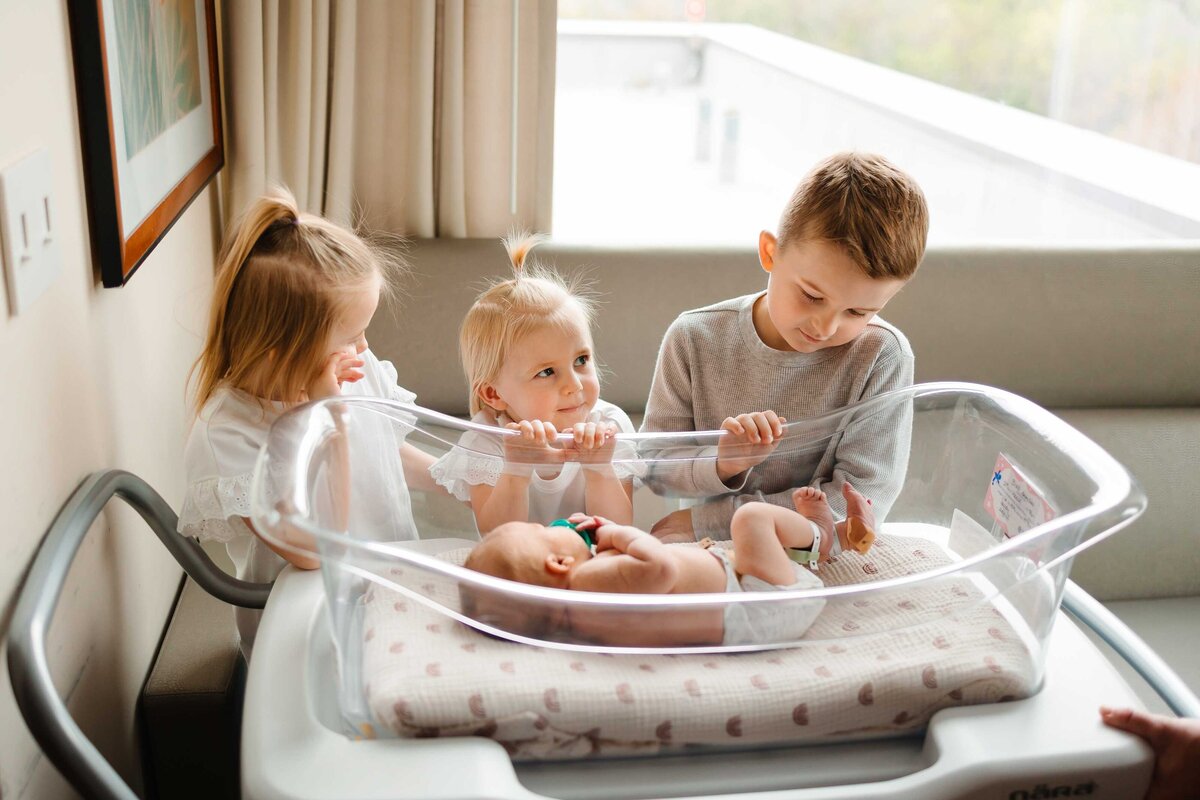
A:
[534,298]
[281,281]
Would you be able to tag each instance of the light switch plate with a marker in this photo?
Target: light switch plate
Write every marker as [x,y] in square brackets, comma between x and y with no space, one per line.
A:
[32,257]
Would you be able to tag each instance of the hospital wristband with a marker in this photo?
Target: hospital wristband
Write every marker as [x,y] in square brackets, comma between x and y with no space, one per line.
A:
[810,556]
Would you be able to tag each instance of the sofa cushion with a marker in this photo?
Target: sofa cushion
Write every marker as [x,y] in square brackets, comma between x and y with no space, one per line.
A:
[1159,554]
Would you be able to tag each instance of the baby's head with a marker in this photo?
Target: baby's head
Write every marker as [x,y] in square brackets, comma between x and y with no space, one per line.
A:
[542,555]
[526,345]
[527,553]
[851,236]
[291,289]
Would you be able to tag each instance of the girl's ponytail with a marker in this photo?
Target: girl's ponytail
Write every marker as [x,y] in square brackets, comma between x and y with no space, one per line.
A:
[518,246]
[275,211]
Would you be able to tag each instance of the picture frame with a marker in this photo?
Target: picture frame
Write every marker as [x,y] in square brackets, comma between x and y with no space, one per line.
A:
[150,120]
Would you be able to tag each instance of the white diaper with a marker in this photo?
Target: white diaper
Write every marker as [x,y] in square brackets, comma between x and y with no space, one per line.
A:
[766,623]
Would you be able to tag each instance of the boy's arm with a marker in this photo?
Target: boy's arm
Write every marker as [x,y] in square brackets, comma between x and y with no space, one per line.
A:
[641,564]
[872,455]
[682,470]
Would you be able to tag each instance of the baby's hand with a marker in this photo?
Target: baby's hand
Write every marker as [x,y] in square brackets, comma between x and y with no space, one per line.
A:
[534,446]
[608,535]
[750,438]
[593,443]
[340,367]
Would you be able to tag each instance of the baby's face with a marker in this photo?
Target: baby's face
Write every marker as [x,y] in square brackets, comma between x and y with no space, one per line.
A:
[549,376]
[818,297]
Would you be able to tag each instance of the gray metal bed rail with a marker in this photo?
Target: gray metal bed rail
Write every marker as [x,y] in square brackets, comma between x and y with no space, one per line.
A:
[44,711]
[87,771]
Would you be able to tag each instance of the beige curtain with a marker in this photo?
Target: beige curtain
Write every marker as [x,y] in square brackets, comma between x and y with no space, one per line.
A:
[402,115]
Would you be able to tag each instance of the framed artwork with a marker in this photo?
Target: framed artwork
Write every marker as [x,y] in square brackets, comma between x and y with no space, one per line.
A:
[149,118]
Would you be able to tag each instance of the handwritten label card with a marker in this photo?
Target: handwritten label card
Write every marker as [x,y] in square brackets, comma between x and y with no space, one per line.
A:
[1012,500]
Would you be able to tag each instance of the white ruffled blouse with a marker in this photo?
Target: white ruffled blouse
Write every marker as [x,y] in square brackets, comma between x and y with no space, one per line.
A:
[478,459]
[219,460]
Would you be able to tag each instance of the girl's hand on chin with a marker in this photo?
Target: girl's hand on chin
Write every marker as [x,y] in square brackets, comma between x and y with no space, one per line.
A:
[340,367]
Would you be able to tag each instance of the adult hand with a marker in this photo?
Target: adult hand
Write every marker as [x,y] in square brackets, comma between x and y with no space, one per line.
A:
[1176,746]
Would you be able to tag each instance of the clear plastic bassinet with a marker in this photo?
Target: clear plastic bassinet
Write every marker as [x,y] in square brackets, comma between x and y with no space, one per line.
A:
[951,605]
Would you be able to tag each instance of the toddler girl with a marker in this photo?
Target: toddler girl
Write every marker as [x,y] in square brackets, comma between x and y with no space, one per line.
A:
[526,347]
[292,298]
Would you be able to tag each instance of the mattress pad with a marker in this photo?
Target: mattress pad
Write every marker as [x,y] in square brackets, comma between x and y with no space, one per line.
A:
[889,667]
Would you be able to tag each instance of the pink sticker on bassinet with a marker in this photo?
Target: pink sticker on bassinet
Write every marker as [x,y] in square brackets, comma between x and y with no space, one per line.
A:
[1012,501]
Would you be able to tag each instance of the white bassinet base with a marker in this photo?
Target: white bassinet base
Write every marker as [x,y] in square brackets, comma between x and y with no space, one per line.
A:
[429,676]
[293,747]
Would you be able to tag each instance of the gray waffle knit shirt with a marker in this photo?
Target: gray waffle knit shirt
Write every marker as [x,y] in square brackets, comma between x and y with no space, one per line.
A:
[713,365]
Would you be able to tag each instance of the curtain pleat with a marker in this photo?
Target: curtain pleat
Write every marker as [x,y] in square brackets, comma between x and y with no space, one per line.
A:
[397,115]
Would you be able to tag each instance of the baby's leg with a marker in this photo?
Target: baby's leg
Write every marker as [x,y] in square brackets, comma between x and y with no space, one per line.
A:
[761,532]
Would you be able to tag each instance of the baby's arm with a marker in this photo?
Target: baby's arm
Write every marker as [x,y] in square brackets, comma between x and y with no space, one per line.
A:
[627,560]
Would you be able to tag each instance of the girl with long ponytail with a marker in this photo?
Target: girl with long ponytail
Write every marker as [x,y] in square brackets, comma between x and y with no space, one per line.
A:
[292,299]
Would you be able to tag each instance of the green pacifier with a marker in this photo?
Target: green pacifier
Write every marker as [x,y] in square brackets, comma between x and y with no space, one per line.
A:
[562,523]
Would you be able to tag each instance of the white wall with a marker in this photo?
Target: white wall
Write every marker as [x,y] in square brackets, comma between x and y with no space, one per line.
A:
[89,378]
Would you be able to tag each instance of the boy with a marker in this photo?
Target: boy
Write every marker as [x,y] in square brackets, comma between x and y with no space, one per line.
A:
[851,236]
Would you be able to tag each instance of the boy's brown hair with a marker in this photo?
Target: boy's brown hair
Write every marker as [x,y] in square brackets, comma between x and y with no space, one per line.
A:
[864,203]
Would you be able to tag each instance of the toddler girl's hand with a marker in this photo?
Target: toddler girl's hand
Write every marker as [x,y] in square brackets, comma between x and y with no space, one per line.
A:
[340,367]
[750,438]
[593,443]
[534,446]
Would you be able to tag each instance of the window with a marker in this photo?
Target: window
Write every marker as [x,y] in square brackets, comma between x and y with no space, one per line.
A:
[690,123]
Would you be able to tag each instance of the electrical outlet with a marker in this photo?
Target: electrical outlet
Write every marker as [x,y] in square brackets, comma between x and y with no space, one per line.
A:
[32,258]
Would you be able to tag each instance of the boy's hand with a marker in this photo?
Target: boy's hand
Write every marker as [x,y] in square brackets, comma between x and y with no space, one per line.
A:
[341,367]
[750,438]
[534,446]
[593,443]
[675,527]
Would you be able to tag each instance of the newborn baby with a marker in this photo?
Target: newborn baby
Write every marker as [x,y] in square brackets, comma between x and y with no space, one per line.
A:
[595,555]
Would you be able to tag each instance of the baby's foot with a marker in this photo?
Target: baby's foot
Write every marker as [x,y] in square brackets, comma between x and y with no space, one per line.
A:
[860,520]
[813,504]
